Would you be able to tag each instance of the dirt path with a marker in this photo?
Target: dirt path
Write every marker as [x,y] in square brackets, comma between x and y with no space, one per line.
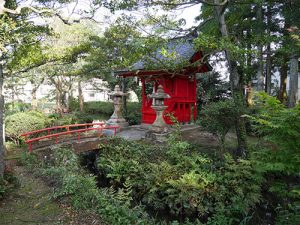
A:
[31,203]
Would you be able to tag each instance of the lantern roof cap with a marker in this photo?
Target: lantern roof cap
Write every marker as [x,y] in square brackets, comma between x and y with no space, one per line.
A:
[160,94]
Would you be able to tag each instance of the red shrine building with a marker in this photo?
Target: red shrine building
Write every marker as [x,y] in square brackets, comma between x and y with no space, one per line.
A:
[180,86]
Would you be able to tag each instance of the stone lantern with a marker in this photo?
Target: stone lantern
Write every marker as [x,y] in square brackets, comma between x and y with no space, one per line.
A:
[159,107]
[117,117]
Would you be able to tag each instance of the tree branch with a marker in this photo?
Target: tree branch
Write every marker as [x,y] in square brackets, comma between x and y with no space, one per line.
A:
[213,3]
[193,2]
[17,11]
[19,8]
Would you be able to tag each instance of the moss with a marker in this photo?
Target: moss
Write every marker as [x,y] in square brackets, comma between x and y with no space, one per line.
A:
[30,204]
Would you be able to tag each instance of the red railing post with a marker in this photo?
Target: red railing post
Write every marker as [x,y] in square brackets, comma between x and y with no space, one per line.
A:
[56,140]
[78,137]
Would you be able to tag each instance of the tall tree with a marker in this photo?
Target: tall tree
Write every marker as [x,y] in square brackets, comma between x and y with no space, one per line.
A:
[293,84]
[217,11]
[18,34]
[17,37]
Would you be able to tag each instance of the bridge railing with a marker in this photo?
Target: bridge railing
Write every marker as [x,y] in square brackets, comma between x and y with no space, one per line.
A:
[57,129]
[99,127]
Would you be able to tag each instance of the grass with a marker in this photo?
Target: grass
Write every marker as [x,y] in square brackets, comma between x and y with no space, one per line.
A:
[30,203]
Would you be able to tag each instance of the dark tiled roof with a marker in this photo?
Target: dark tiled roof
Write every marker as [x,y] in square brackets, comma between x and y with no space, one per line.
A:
[182,48]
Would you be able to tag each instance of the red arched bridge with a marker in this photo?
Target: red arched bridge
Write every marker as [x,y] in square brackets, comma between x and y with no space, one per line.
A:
[60,134]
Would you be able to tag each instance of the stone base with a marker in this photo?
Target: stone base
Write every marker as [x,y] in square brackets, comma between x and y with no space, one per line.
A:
[117,122]
[157,137]
[160,129]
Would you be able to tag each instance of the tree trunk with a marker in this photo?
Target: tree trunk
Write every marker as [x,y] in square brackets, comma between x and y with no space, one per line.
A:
[283,79]
[34,99]
[268,59]
[236,86]
[260,68]
[124,102]
[2,147]
[293,90]
[268,70]
[80,96]
[249,95]
[58,102]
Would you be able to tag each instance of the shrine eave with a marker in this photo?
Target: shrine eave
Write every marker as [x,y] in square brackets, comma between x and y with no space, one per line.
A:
[154,73]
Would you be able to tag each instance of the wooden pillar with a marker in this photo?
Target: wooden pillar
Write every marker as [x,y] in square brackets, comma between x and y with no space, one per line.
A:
[195,98]
[143,98]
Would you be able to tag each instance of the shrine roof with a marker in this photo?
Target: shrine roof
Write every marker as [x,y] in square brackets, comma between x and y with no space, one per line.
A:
[183,50]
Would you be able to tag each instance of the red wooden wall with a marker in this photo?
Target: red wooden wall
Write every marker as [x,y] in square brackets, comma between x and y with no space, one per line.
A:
[182,103]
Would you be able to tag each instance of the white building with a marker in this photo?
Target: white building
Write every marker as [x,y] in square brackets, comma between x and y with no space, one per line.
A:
[93,90]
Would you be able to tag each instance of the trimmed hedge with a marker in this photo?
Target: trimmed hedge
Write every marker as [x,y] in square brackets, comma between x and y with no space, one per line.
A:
[102,108]
[106,109]
[22,122]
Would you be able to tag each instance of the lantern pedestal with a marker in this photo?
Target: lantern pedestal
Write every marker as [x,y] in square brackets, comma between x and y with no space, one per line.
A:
[159,124]
[117,117]
[158,106]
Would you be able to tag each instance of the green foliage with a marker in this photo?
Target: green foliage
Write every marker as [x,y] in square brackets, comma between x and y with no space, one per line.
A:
[101,108]
[211,88]
[280,128]
[28,160]
[180,181]
[22,122]
[7,183]
[104,109]
[134,114]
[15,107]
[82,192]
[289,215]
[278,156]
[218,117]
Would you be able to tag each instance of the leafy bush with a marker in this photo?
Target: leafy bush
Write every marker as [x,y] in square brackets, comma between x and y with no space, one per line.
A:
[211,88]
[15,107]
[7,182]
[218,117]
[81,190]
[280,128]
[134,114]
[101,108]
[73,104]
[84,118]
[182,182]
[105,110]
[22,122]
[278,156]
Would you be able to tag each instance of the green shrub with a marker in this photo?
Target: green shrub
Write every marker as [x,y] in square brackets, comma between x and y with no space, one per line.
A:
[65,120]
[181,181]
[218,117]
[84,117]
[73,104]
[101,108]
[22,122]
[134,113]
[28,159]
[7,183]
[15,107]
[113,206]
[280,128]
[278,155]
[105,110]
